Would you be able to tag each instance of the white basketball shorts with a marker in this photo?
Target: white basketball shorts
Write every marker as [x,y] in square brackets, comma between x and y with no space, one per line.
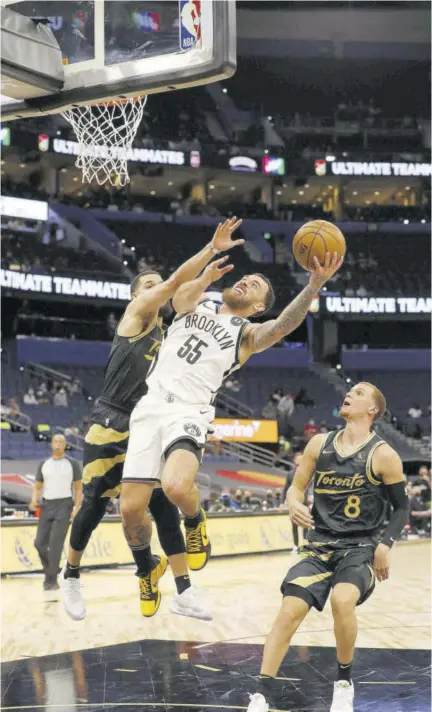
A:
[155,425]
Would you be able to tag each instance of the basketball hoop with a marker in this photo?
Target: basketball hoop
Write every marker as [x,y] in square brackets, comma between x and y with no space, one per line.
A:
[105,133]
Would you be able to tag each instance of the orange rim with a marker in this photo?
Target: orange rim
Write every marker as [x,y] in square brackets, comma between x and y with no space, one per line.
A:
[119,100]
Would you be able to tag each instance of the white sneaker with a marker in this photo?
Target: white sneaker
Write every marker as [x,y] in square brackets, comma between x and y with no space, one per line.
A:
[295,550]
[257,703]
[343,697]
[71,596]
[188,604]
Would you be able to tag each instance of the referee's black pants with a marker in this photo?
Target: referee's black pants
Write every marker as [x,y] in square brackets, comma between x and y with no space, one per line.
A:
[51,534]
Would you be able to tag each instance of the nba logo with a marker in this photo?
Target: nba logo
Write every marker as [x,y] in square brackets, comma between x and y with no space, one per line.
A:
[320,168]
[190,23]
[43,142]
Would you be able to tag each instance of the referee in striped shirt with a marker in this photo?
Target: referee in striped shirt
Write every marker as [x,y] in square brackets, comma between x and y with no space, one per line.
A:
[59,481]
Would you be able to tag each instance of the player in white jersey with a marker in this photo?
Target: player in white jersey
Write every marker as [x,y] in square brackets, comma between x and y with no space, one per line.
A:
[204,344]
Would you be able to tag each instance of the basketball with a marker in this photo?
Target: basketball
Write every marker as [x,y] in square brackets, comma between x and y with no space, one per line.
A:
[316,238]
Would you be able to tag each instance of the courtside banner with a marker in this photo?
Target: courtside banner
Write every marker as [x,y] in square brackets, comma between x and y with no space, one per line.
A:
[230,536]
[245,431]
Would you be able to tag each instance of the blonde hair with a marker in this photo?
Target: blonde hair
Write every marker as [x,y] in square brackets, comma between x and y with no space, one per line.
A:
[379,400]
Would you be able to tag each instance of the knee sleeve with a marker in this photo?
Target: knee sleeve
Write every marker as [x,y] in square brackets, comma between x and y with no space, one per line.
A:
[86,520]
[167,520]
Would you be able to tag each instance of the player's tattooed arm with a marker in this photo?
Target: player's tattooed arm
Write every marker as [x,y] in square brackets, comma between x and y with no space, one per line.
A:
[259,337]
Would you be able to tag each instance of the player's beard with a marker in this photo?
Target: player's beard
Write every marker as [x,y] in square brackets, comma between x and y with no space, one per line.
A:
[234,300]
[166,310]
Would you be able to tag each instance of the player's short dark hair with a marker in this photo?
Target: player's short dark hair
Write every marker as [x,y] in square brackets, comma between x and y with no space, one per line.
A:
[136,280]
[270,295]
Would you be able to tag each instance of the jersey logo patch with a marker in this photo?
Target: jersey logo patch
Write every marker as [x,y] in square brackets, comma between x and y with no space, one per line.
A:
[236,320]
[192,429]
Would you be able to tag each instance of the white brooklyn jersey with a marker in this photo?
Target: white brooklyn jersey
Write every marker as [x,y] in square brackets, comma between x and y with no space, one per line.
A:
[199,350]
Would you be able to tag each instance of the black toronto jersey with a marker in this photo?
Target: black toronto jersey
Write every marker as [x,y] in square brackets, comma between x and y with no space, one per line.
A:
[349,500]
[128,365]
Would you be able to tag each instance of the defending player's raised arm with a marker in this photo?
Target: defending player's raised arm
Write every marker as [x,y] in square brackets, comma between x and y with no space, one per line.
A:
[298,512]
[150,301]
[259,337]
[189,295]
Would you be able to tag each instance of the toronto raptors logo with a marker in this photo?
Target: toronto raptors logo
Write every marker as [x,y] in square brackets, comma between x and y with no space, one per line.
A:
[192,429]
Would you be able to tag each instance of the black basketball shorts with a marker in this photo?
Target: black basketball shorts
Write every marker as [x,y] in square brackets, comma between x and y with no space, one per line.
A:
[326,561]
[105,452]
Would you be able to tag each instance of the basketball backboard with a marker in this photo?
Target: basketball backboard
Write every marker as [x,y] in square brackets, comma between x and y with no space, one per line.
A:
[128,48]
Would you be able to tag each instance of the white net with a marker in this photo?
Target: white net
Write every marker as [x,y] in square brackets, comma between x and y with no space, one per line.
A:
[105,133]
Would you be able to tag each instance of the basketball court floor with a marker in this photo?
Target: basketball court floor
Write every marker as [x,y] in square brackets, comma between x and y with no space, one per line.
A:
[117,660]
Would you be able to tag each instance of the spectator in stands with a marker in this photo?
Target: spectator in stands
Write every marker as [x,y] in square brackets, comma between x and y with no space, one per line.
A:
[285,406]
[228,501]
[323,427]
[276,395]
[4,409]
[283,449]
[269,502]
[75,388]
[278,498]
[42,396]
[419,512]
[29,397]
[238,498]
[214,503]
[43,388]
[285,409]
[14,410]
[232,384]
[247,496]
[60,397]
[415,411]
[423,482]
[310,429]
[269,412]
